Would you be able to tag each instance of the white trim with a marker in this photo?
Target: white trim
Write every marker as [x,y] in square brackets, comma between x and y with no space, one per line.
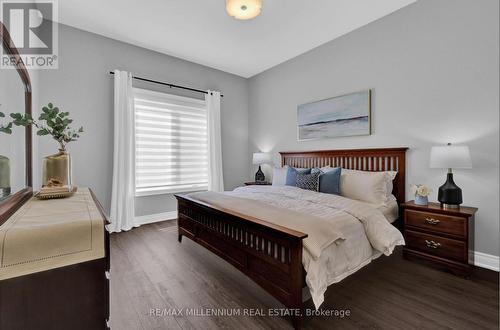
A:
[485,260]
[151,218]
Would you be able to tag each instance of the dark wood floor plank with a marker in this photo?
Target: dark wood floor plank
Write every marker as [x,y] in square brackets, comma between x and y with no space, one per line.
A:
[142,292]
[193,271]
[122,315]
[150,269]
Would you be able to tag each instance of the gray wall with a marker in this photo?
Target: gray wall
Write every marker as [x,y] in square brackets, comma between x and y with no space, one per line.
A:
[83,87]
[433,67]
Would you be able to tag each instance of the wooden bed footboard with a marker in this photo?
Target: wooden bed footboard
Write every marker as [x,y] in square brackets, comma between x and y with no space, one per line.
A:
[269,254]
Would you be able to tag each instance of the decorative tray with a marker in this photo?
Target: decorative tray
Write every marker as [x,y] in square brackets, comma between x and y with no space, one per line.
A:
[53,195]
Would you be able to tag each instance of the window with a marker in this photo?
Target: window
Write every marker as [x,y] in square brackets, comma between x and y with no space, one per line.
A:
[170,143]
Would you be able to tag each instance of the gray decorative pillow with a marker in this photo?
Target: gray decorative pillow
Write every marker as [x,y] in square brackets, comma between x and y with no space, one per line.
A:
[308,181]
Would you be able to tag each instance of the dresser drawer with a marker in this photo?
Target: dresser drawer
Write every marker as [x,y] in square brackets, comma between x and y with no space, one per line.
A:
[437,222]
[437,246]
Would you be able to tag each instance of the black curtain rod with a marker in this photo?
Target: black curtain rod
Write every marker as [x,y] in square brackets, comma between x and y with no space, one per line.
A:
[169,85]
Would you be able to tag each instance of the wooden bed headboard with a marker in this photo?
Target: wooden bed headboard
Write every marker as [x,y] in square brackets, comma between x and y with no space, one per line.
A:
[380,159]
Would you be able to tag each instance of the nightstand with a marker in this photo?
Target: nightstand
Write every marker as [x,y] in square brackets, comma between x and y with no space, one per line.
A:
[254,183]
[440,236]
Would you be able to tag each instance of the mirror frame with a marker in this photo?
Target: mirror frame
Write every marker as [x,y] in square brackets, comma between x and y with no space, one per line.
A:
[13,203]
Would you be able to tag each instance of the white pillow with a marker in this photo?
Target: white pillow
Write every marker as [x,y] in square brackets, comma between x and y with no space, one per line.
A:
[370,187]
[391,177]
[390,186]
[279,175]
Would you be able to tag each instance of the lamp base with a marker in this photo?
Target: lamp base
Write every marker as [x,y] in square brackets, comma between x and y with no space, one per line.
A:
[259,176]
[449,194]
[449,206]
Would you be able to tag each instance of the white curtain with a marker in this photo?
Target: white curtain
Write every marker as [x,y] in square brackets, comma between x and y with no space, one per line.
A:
[123,189]
[215,179]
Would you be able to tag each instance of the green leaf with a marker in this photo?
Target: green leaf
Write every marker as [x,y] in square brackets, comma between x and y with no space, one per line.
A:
[42,131]
[50,105]
[5,130]
[2,115]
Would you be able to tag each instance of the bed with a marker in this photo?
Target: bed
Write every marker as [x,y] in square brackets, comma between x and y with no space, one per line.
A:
[282,259]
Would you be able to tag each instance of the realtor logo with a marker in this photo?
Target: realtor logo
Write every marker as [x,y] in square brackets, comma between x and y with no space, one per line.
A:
[33,31]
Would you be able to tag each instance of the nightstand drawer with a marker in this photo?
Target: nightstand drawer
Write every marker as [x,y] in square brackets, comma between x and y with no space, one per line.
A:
[436,222]
[437,246]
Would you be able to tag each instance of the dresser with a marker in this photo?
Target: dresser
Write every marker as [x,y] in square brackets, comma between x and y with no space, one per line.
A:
[54,271]
[440,236]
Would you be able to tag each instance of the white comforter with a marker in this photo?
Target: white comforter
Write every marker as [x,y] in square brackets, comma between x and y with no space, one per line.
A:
[366,231]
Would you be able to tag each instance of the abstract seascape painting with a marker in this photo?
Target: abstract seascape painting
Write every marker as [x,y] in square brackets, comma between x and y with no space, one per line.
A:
[346,115]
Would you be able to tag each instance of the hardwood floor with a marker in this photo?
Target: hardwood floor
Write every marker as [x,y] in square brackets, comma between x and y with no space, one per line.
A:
[151,270]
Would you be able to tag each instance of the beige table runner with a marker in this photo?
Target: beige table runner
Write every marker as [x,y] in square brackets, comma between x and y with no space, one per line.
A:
[47,234]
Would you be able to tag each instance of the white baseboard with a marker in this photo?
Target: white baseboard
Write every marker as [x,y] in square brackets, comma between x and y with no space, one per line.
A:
[151,218]
[485,260]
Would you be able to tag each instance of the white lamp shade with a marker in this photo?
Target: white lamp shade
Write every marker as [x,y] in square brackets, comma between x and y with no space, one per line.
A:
[243,9]
[450,156]
[261,158]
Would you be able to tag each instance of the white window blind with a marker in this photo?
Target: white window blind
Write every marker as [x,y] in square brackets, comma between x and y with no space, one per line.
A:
[171,143]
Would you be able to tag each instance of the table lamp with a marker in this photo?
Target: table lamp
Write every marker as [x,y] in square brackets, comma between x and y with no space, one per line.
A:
[260,158]
[450,157]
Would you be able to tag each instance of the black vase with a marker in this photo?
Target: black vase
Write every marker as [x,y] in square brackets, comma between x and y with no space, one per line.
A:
[259,176]
[449,194]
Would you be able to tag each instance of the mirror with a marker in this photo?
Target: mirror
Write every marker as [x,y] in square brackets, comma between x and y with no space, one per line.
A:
[15,148]
[12,146]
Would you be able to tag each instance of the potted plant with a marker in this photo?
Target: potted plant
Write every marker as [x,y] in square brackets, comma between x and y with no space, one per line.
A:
[421,193]
[52,121]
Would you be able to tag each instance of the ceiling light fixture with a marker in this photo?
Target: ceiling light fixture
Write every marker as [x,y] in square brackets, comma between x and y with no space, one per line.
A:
[243,9]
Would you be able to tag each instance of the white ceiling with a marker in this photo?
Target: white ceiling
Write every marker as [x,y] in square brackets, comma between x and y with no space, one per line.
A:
[200,30]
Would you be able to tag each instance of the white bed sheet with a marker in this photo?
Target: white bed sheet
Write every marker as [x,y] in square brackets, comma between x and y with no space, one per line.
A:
[340,260]
[390,209]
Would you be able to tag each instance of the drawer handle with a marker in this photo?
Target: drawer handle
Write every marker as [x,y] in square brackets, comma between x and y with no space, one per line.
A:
[432,244]
[432,221]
